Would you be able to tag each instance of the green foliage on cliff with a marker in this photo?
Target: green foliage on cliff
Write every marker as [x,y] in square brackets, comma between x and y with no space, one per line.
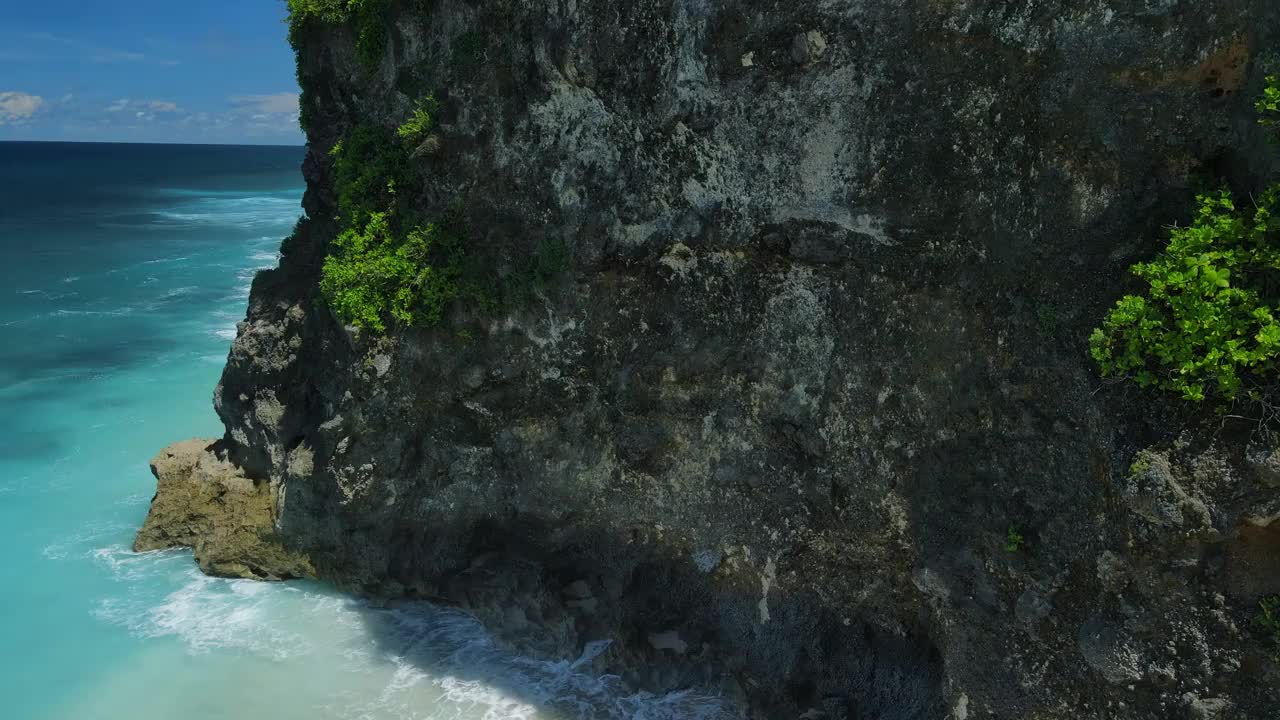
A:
[376,272]
[421,122]
[1268,106]
[368,165]
[333,12]
[368,18]
[1207,326]
[1013,540]
[387,263]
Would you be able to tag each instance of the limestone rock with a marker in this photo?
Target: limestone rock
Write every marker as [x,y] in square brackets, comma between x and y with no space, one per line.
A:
[204,502]
[1109,650]
[1265,462]
[808,47]
[1207,708]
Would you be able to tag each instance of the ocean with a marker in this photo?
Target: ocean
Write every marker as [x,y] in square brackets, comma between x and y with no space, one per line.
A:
[125,270]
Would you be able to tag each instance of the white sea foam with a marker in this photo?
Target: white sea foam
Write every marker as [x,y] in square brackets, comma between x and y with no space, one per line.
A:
[289,193]
[135,500]
[83,542]
[161,261]
[258,211]
[416,661]
[63,312]
[208,614]
[124,565]
[470,669]
[179,292]
[335,657]
[51,296]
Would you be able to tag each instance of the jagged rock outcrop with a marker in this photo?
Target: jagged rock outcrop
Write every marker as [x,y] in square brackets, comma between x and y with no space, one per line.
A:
[820,348]
[205,502]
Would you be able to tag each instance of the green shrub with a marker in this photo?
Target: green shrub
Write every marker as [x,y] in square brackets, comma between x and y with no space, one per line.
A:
[1141,463]
[421,122]
[376,273]
[386,263]
[368,166]
[1206,328]
[1013,540]
[333,12]
[1206,323]
[1268,105]
[371,30]
[367,17]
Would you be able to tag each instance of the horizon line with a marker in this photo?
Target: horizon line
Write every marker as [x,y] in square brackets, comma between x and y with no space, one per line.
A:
[145,142]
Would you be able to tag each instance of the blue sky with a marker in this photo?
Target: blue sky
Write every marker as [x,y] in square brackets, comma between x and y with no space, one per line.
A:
[198,71]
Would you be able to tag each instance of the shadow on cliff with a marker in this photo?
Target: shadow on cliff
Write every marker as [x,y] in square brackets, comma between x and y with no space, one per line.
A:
[646,635]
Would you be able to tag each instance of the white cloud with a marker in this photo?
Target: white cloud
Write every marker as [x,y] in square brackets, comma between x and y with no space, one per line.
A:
[17,107]
[257,118]
[143,107]
[277,103]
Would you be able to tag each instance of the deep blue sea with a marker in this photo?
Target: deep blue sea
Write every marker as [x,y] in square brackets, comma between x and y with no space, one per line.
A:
[125,269]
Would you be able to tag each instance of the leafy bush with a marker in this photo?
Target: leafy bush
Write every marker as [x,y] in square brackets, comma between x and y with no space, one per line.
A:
[1013,539]
[1206,323]
[1140,465]
[376,273]
[1268,106]
[367,168]
[367,17]
[385,263]
[333,12]
[421,122]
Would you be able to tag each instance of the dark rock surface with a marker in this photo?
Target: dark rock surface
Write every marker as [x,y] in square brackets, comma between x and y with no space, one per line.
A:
[821,347]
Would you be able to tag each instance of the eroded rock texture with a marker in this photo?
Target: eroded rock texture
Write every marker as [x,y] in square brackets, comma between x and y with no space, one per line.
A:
[203,501]
[820,348]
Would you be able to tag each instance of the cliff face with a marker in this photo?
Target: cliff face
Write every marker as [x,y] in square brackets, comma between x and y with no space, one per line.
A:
[817,360]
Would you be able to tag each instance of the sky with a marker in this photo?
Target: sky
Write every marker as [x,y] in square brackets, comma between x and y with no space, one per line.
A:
[186,71]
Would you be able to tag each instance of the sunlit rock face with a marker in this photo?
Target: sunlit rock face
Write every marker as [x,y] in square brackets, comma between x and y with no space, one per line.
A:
[816,360]
[205,502]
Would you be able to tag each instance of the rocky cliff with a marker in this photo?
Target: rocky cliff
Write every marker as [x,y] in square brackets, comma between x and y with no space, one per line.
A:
[808,418]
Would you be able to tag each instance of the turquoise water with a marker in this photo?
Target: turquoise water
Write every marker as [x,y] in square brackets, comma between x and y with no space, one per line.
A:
[125,269]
